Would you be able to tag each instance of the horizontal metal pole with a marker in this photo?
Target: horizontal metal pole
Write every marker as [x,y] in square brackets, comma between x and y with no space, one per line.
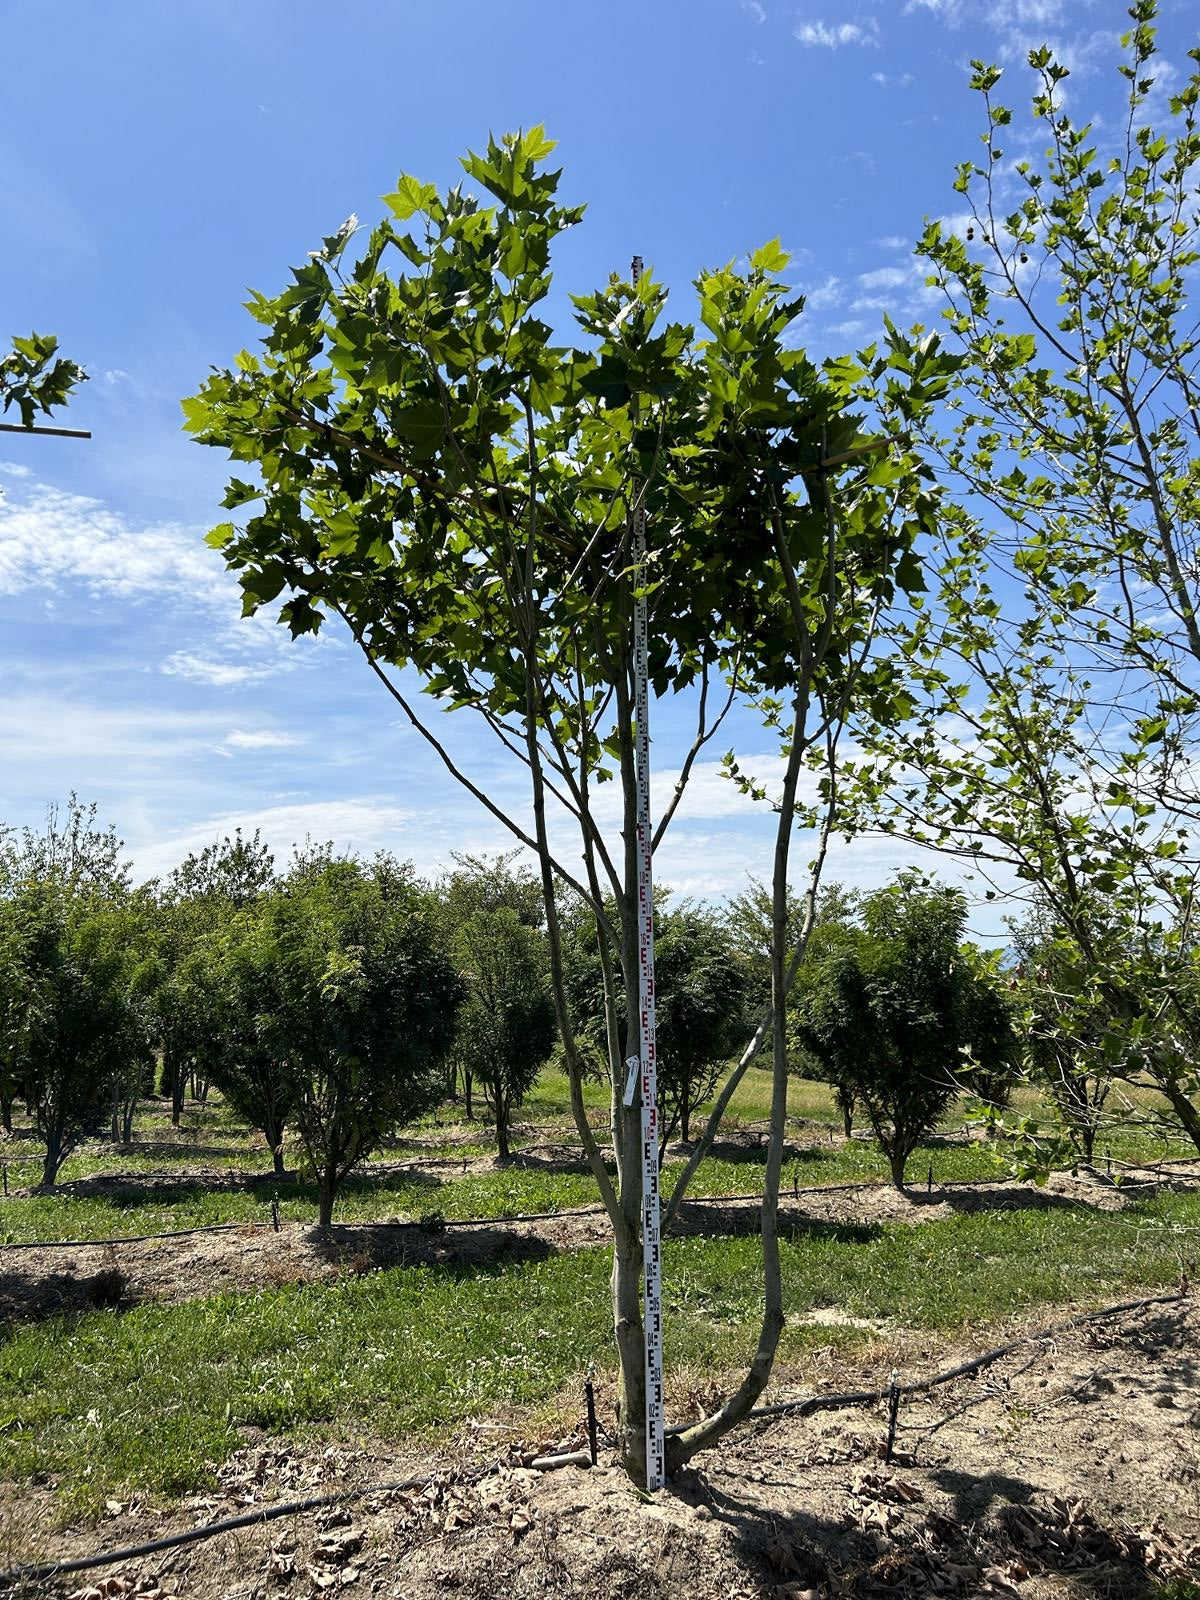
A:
[57,433]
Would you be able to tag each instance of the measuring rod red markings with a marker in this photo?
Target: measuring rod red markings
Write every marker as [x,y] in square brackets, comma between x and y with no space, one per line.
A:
[651,1232]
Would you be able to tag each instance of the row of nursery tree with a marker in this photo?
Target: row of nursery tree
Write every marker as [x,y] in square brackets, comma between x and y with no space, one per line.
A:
[338,1000]
[955,573]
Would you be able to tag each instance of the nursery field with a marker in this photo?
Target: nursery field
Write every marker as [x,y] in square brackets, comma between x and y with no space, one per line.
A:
[455,1307]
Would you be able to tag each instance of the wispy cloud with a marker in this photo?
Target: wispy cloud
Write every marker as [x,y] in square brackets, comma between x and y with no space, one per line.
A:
[833,35]
[950,11]
[893,80]
[262,739]
[50,539]
[220,674]
[825,295]
[885,278]
[60,545]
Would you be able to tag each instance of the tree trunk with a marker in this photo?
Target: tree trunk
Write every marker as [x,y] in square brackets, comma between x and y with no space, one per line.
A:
[898,1161]
[685,1114]
[1182,1106]
[326,1193]
[130,1111]
[53,1158]
[502,1147]
[273,1132]
[1087,1138]
[682,1446]
[178,1087]
[468,1081]
[845,1103]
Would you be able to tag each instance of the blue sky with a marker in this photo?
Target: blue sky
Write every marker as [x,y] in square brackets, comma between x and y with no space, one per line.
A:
[157,160]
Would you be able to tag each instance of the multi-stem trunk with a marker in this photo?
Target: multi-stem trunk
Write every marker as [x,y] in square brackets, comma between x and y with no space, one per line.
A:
[682,1446]
[273,1132]
[1182,1105]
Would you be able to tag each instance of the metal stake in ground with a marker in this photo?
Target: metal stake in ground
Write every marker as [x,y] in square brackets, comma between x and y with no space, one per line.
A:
[651,1234]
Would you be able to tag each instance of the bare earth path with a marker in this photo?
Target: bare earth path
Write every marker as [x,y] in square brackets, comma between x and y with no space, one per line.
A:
[40,1280]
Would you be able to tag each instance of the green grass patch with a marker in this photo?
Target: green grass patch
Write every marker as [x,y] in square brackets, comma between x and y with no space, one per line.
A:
[151,1399]
[369,1196]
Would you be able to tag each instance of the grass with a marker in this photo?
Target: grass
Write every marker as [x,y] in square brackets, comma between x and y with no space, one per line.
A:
[212,1139]
[149,1400]
[503,1192]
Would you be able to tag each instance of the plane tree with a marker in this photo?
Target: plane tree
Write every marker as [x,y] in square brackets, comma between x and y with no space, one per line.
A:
[35,379]
[427,462]
[1057,652]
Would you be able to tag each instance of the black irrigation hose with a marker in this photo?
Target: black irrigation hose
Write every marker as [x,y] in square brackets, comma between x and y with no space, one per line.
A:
[250,1519]
[256,1227]
[830,1402]
[127,1238]
[483,1222]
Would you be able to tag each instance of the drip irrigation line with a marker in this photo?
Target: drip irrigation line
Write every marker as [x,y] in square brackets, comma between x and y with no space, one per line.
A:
[209,1530]
[838,1402]
[127,1238]
[253,1225]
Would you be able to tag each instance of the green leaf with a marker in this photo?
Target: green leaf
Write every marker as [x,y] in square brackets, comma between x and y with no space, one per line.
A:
[409,197]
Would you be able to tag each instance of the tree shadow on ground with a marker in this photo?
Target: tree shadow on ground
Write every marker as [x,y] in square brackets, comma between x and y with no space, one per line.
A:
[792,1548]
[736,1152]
[712,1219]
[565,1165]
[996,1197]
[360,1248]
[124,1192]
[26,1297]
[182,1147]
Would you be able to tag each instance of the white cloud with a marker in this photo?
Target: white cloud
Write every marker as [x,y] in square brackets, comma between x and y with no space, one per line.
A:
[361,825]
[15,469]
[262,739]
[65,735]
[833,35]
[950,11]
[220,674]
[756,10]
[825,295]
[64,544]
[885,278]
[888,80]
[50,539]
